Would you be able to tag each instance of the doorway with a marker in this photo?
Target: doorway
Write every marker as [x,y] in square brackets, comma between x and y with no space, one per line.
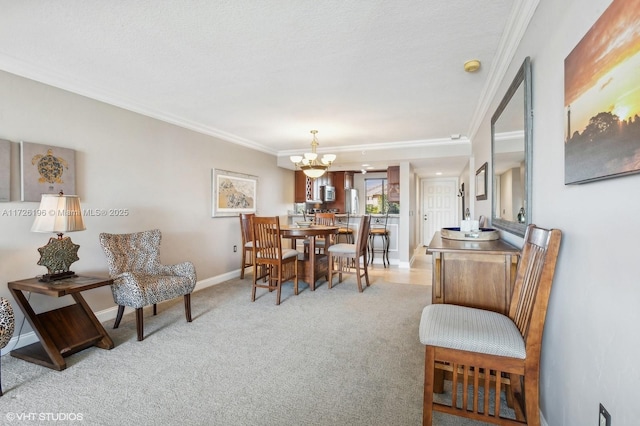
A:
[439,206]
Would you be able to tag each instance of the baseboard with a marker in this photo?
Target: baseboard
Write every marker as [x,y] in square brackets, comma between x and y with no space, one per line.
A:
[109,314]
[543,421]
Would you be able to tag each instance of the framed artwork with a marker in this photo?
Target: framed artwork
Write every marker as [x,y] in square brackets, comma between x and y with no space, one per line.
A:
[46,169]
[5,170]
[481,182]
[602,98]
[233,193]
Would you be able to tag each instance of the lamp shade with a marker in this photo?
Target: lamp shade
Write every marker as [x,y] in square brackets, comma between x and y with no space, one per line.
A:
[59,214]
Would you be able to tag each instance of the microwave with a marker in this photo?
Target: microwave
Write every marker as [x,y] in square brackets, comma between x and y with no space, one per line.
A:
[327,193]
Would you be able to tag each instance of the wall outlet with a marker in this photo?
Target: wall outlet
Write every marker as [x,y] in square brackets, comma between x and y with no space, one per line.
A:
[235,249]
[604,417]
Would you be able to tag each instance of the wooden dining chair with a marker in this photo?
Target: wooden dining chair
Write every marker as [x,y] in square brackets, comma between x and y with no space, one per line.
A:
[345,258]
[485,349]
[274,262]
[325,219]
[247,241]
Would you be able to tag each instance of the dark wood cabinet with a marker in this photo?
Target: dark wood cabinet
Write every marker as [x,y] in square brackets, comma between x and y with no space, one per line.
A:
[300,191]
[393,183]
[479,274]
[338,183]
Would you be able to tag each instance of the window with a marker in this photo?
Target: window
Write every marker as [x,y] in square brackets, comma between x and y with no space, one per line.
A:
[376,193]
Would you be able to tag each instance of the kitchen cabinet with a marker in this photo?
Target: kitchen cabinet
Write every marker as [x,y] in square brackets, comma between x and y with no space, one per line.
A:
[338,182]
[393,184]
[301,191]
[479,274]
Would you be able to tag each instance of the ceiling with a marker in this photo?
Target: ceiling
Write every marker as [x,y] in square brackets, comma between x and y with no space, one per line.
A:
[382,81]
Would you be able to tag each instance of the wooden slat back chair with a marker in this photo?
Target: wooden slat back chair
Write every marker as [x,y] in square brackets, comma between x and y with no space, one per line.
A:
[326,219]
[247,241]
[484,349]
[277,263]
[345,258]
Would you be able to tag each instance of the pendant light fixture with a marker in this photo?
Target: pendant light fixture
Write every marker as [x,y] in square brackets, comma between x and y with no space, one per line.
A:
[309,163]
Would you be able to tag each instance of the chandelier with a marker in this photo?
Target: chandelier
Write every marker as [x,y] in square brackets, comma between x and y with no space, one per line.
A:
[309,162]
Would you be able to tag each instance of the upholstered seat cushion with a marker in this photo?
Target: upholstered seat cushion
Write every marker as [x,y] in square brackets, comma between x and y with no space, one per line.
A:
[470,329]
[136,290]
[343,249]
[286,253]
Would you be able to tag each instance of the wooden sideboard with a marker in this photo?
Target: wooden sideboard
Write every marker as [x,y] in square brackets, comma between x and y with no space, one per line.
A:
[479,274]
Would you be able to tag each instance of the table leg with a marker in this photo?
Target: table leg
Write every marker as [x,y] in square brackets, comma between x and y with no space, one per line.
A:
[312,262]
[51,357]
[62,332]
[105,342]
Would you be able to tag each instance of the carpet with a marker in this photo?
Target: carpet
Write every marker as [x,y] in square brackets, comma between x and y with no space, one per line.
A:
[328,357]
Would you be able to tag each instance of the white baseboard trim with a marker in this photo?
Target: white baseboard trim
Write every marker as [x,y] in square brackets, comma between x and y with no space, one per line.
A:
[109,314]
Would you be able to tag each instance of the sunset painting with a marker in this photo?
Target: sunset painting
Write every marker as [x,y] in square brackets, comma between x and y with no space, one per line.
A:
[602,98]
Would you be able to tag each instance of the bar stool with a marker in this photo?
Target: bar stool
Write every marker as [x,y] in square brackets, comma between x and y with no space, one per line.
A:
[346,232]
[382,232]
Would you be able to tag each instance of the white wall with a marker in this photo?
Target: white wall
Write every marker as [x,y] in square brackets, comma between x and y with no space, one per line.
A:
[591,344]
[160,172]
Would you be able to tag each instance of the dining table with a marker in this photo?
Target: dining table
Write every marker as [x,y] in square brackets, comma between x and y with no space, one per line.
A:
[311,266]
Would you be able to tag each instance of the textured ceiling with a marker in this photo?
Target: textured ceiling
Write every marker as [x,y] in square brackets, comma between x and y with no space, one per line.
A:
[382,81]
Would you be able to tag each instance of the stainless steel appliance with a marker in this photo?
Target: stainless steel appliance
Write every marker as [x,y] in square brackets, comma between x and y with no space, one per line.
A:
[327,193]
[351,205]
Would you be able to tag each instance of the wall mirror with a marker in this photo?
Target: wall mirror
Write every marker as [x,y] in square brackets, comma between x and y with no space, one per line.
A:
[511,131]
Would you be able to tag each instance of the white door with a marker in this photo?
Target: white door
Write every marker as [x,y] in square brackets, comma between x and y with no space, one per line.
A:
[439,206]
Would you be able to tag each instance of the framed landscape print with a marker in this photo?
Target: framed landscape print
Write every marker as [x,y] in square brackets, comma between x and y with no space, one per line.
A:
[46,169]
[233,193]
[602,98]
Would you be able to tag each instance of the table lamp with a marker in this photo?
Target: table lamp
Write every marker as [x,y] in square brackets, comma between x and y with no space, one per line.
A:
[58,213]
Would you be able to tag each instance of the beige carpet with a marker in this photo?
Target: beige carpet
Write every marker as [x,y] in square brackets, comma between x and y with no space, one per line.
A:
[329,357]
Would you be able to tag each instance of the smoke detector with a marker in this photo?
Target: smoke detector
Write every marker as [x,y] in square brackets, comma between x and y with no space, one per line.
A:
[472,65]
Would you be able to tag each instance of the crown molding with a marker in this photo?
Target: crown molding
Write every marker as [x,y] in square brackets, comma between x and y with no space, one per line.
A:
[50,78]
[521,14]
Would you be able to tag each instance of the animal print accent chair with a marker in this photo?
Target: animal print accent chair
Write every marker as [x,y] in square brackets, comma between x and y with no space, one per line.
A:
[7,324]
[139,279]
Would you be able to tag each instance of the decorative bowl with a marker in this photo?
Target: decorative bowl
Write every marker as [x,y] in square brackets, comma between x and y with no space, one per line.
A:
[304,224]
[482,234]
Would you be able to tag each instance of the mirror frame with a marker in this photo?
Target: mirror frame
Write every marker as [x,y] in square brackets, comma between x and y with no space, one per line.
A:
[523,77]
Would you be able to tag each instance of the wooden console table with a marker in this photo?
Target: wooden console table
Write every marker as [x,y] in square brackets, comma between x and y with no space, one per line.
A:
[63,331]
[479,274]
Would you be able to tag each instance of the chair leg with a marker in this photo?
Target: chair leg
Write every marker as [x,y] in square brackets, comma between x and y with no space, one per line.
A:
[118,316]
[187,306]
[429,369]
[155,309]
[531,398]
[366,270]
[244,262]
[0,380]
[331,266]
[140,324]
[253,285]
[279,287]
[295,280]
[358,276]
